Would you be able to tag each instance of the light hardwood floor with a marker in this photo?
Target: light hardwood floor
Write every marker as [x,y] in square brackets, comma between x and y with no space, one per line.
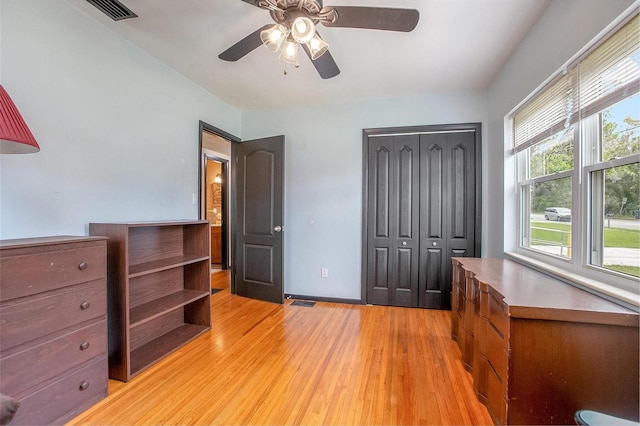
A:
[332,364]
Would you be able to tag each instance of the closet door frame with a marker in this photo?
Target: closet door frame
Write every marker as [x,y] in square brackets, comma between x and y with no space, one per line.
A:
[437,128]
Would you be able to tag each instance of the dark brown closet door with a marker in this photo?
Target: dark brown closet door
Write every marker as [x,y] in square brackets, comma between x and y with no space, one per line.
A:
[422,206]
[447,211]
[393,234]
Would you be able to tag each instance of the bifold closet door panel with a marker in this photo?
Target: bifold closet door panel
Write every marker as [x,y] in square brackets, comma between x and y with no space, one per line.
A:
[421,206]
[447,211]
[393,234]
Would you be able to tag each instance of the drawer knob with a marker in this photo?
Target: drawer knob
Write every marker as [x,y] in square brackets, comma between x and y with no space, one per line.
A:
[82,266]
[85,305]
[84,385]
[84,346]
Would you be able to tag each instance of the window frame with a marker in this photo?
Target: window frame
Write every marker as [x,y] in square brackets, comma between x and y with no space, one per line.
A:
[595,221]
[578,268]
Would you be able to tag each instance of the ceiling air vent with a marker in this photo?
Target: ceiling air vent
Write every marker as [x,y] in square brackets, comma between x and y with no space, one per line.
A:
[113,9]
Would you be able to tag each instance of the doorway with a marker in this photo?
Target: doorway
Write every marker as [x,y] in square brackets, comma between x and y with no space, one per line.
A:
[216,210]
[421,206]
[215,191]
[250,213]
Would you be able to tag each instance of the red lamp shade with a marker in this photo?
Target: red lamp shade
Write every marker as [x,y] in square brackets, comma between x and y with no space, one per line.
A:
[15,136]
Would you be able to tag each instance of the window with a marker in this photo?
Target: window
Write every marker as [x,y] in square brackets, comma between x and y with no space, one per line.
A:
[545,186]
[614,187]
[576,147]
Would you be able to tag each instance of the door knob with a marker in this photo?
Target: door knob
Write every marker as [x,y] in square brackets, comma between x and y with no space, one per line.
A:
[278,228]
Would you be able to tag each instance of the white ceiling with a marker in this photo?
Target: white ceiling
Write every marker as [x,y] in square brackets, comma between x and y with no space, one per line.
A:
[458,46]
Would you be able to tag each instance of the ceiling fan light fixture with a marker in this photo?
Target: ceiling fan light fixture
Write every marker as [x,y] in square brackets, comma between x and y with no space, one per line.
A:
[296,22]
[303,29]
[289,53]
[317,47]
[274,36]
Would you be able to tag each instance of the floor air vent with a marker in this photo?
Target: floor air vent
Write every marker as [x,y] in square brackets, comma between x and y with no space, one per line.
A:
[113,9]
[303,303]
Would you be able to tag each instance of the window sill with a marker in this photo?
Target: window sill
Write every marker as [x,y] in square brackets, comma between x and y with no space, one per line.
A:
[620,296]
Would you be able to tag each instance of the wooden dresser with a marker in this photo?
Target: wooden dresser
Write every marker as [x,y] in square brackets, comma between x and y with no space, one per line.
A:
[540,349]
[53,326]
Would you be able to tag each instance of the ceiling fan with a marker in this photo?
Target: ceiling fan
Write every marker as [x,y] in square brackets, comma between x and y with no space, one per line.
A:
[295,25]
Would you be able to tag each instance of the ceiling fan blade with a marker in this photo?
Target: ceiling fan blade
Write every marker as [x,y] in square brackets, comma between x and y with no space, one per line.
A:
[375,18]
[244,46]
[325,65]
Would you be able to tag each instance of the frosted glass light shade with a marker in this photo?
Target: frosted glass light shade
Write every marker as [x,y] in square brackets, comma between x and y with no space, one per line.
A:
[289,52]
[317,47]
[303,29]
[274,36]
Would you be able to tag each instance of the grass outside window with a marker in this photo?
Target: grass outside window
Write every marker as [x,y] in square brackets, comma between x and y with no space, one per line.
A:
[554,234]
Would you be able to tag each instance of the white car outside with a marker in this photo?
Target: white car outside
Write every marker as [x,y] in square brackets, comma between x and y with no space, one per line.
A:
[558,214]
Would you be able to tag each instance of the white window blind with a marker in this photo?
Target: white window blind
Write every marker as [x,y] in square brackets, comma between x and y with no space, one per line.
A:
[547,113]
[607,74]
[612,71]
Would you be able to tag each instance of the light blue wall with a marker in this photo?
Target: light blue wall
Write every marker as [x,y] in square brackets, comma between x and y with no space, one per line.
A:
[323,179]
[562,31]
[118,130]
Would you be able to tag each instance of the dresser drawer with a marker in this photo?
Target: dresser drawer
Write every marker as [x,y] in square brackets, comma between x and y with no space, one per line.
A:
[484,304]
[496,353]
[479,373]
[461,335]
[496,400]
[468,320]
[66,398]
[498,315]
[454,325]
[467,350]
[40,364]
[469,291]
[459,295]
[30,318]
[29,274]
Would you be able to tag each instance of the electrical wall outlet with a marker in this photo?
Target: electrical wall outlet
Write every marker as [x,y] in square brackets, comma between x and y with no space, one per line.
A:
[324,272]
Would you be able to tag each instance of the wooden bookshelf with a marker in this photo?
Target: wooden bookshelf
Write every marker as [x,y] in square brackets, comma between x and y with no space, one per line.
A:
[159,290]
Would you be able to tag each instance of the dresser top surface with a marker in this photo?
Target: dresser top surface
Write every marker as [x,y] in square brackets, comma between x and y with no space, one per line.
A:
[532,294]
[179,222]
[46,241]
